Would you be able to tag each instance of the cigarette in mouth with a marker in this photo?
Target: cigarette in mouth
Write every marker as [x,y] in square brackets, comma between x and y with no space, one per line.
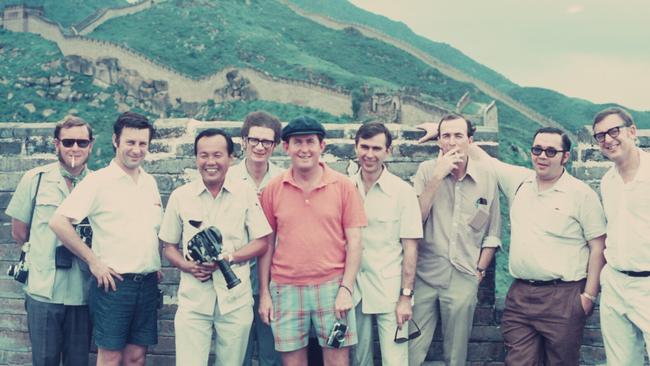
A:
[73,164]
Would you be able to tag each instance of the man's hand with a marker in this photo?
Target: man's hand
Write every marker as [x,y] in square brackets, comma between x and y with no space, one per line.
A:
[200,271]
[587,304]
[403,311]
[265,309]
[160,275]
[104,275]
[343,303]
[430,129]
[446,163]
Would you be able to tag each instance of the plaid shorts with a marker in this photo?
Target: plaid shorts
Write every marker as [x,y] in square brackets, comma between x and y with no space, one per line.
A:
[298,308]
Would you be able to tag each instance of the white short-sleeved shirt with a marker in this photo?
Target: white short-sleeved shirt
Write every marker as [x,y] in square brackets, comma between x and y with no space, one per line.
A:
[124,215]
[45,282]
[237,214]
[239,173]
[549,229]
[393,213]
[627,207]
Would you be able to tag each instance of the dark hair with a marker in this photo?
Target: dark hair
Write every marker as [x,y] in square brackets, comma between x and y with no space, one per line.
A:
[132,120]
[262,119]
[215,132]
[622,113]
[453,116]
[566,142]
[372,129]
[72,121]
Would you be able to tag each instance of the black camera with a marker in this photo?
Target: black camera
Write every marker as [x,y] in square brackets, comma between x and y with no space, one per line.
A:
[19,271]
[337,335]
[206,247]
[85,232]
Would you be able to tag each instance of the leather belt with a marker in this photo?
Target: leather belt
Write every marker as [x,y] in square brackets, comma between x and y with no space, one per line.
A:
[556,281]
[636,273]
[137,277]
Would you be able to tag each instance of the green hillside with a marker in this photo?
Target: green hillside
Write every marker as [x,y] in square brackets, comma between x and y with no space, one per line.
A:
[345,11]
[267,35]
[60,10]
[570,112]
[34,83]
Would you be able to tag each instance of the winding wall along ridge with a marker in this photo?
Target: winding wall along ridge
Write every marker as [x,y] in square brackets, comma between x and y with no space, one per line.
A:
[429,60]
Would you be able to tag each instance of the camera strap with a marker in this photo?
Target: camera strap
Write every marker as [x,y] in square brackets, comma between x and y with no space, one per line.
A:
[29,225]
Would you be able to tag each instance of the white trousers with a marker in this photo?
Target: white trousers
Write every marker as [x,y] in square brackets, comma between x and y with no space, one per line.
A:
[392,354]
[194,336]
[624,317]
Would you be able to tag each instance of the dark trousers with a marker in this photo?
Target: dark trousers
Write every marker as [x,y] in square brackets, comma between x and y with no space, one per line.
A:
[58,333]
[542,325]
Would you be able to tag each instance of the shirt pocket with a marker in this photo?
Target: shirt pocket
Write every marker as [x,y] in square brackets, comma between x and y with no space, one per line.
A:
[42,240]
[385,223]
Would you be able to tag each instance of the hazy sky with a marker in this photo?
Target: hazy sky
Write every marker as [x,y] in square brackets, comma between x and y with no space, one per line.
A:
[593,49]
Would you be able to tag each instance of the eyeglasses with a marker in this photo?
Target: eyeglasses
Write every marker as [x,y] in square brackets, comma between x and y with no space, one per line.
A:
[254,141]
[550,151]
[413,335]
[82,143]
[612,132]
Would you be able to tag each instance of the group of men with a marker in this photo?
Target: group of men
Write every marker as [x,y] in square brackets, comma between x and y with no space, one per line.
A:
[321,254]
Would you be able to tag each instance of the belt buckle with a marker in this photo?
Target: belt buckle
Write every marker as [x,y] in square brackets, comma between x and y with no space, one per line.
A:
[138,278]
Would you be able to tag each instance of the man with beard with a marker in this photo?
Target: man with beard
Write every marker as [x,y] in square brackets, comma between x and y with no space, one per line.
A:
[556,252]
[55,292]
[625,189]
[124,208]
[204,301]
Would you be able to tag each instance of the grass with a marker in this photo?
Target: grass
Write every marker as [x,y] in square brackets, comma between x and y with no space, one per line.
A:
[268,36]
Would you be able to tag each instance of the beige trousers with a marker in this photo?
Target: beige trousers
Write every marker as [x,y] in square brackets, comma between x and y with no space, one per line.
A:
[455,305]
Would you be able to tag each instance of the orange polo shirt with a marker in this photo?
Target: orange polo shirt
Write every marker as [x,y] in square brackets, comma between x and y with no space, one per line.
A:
[310,246]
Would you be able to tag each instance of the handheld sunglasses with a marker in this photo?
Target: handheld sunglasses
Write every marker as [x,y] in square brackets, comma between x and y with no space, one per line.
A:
[82,143]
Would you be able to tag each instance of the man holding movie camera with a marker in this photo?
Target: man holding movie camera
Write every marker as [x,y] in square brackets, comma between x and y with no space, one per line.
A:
[55,291]
[220,224]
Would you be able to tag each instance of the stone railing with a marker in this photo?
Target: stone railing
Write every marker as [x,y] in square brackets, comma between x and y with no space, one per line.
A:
[171,161]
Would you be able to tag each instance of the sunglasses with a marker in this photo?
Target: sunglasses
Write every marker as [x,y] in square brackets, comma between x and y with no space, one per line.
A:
[80,142]
[549,151]
[612,132]
[413,335]
[254,141]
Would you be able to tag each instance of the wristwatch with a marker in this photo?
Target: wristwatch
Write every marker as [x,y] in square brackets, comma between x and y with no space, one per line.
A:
[404,291]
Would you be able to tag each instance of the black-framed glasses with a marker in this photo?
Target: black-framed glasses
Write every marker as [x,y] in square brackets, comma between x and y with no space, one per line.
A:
[82,143]
[413,335]
[254,141]
[612,132]
[549,151]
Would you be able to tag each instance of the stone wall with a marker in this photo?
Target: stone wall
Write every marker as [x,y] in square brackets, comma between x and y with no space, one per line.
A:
[24,146]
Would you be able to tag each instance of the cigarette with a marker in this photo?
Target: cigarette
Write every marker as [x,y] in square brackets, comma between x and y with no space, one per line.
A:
[73,164]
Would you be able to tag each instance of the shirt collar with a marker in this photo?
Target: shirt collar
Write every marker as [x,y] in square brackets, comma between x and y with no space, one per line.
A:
[644,166]
[327,177]
[199,186]
[241,171]
[115,171]
[385,182]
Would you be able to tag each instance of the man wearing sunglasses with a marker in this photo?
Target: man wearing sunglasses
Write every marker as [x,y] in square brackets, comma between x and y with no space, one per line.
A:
[387,273]
[459,203]
[625,189]
[556,252]
[55,297]
[260,134]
